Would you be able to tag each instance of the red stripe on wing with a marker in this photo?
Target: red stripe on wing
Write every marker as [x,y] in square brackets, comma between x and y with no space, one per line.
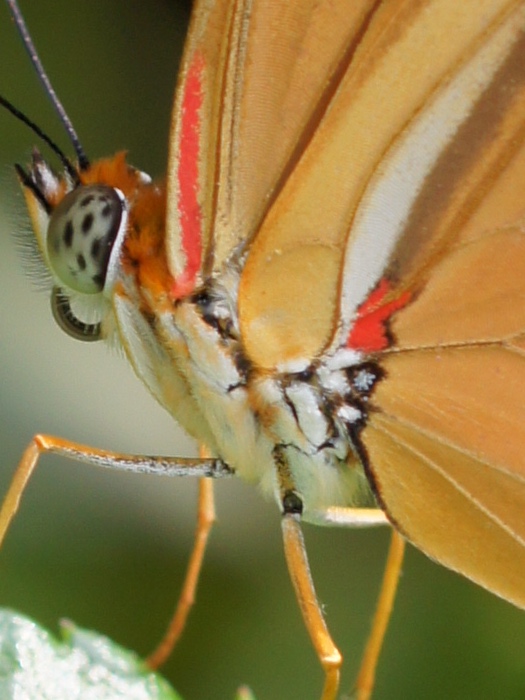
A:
[189,208]
[369,332]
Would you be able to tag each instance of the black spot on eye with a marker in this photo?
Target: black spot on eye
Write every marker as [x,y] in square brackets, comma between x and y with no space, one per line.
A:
[87,223]
[81,261]
[68,234]
[95,248]
[98,279]
[106,210]
[87,200]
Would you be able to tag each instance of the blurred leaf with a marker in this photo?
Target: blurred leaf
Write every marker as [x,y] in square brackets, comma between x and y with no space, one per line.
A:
[244,693]
[84,666]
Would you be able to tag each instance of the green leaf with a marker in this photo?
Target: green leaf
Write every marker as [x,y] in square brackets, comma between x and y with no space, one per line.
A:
[84,666]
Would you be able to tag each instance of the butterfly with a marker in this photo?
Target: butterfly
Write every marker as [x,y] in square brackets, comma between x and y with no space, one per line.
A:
[328,294]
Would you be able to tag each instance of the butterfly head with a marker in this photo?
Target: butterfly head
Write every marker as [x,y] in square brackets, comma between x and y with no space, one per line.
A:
[80,225]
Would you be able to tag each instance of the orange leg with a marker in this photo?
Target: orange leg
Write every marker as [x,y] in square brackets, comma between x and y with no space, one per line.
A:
[172,466]
[205,520]
[299,569]
[385,602]
[327,652]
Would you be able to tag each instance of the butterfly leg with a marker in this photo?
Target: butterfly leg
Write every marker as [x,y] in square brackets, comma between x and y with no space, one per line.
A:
[362,517]
[383,612]
[299,569]
[171,466]
[205,520]
[367,517]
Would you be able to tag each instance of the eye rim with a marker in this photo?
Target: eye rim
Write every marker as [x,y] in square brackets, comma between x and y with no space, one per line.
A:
[68,322]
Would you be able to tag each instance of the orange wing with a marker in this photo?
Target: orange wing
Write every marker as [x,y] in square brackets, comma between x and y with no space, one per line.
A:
[445,441]
[414,173]
[446,447]
[323,238]
[380,141]
[249,85]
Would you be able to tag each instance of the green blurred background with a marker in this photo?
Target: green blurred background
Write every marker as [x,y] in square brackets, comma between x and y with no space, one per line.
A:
[108,551]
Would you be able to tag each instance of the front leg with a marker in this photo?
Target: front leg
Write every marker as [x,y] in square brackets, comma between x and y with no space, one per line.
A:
[203,466]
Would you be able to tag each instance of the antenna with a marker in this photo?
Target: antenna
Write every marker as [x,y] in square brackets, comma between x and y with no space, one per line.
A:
[68,165]
[83,161]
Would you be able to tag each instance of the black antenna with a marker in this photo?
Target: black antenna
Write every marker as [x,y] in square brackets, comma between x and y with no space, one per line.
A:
[83,161]
[68,165]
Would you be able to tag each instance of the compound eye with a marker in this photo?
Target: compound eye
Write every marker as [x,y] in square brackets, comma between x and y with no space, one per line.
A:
[81,233]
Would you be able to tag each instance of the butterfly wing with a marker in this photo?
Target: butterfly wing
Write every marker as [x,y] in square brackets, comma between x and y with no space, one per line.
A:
[294,278]
[445,441]
[250,83]
[414,174]
[445,438]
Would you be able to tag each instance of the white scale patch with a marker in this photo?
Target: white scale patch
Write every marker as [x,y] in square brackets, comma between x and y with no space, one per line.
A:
[342,359]
[349,414]
[333,382]
[306,404]
[364,381]
[209,358]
